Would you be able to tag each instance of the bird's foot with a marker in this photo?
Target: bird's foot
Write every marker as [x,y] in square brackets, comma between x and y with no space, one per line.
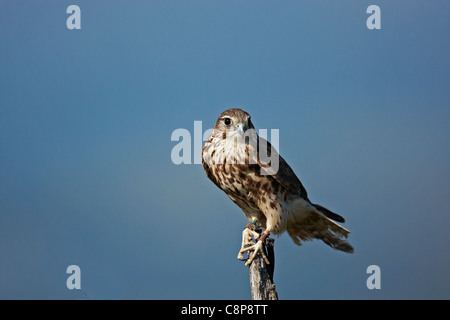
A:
[257,248]
[247,241]
[249,237]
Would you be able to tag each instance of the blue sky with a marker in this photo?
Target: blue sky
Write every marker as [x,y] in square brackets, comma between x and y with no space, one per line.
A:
[86,118]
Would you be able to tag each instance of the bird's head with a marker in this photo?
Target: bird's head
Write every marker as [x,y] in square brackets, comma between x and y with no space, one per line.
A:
[234,121]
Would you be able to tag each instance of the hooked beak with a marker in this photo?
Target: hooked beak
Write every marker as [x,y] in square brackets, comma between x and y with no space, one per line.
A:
[241,128]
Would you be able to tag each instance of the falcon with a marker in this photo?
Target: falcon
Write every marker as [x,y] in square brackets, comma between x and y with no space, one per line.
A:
[269,193]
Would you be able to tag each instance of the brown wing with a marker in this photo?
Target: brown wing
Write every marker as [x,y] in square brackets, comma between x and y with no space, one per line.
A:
[284,175]
[287,178]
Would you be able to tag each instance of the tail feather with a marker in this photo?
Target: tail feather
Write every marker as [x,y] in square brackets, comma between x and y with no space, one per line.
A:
[316,223]
[336,243]
[329,213]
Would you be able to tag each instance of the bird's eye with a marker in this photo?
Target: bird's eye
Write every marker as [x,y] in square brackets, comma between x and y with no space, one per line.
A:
[227,121]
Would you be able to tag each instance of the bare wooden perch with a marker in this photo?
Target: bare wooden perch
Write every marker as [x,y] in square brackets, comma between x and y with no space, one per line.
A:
[261,275]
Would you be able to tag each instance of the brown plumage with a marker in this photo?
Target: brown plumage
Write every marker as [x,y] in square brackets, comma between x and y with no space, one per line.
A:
[269,193]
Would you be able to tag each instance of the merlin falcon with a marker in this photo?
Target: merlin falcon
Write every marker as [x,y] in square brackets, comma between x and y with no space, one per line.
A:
[257,179]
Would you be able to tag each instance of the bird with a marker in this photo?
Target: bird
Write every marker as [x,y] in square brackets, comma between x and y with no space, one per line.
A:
[269,193]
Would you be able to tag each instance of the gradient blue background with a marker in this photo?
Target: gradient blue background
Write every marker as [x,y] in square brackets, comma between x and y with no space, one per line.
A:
[86,117]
